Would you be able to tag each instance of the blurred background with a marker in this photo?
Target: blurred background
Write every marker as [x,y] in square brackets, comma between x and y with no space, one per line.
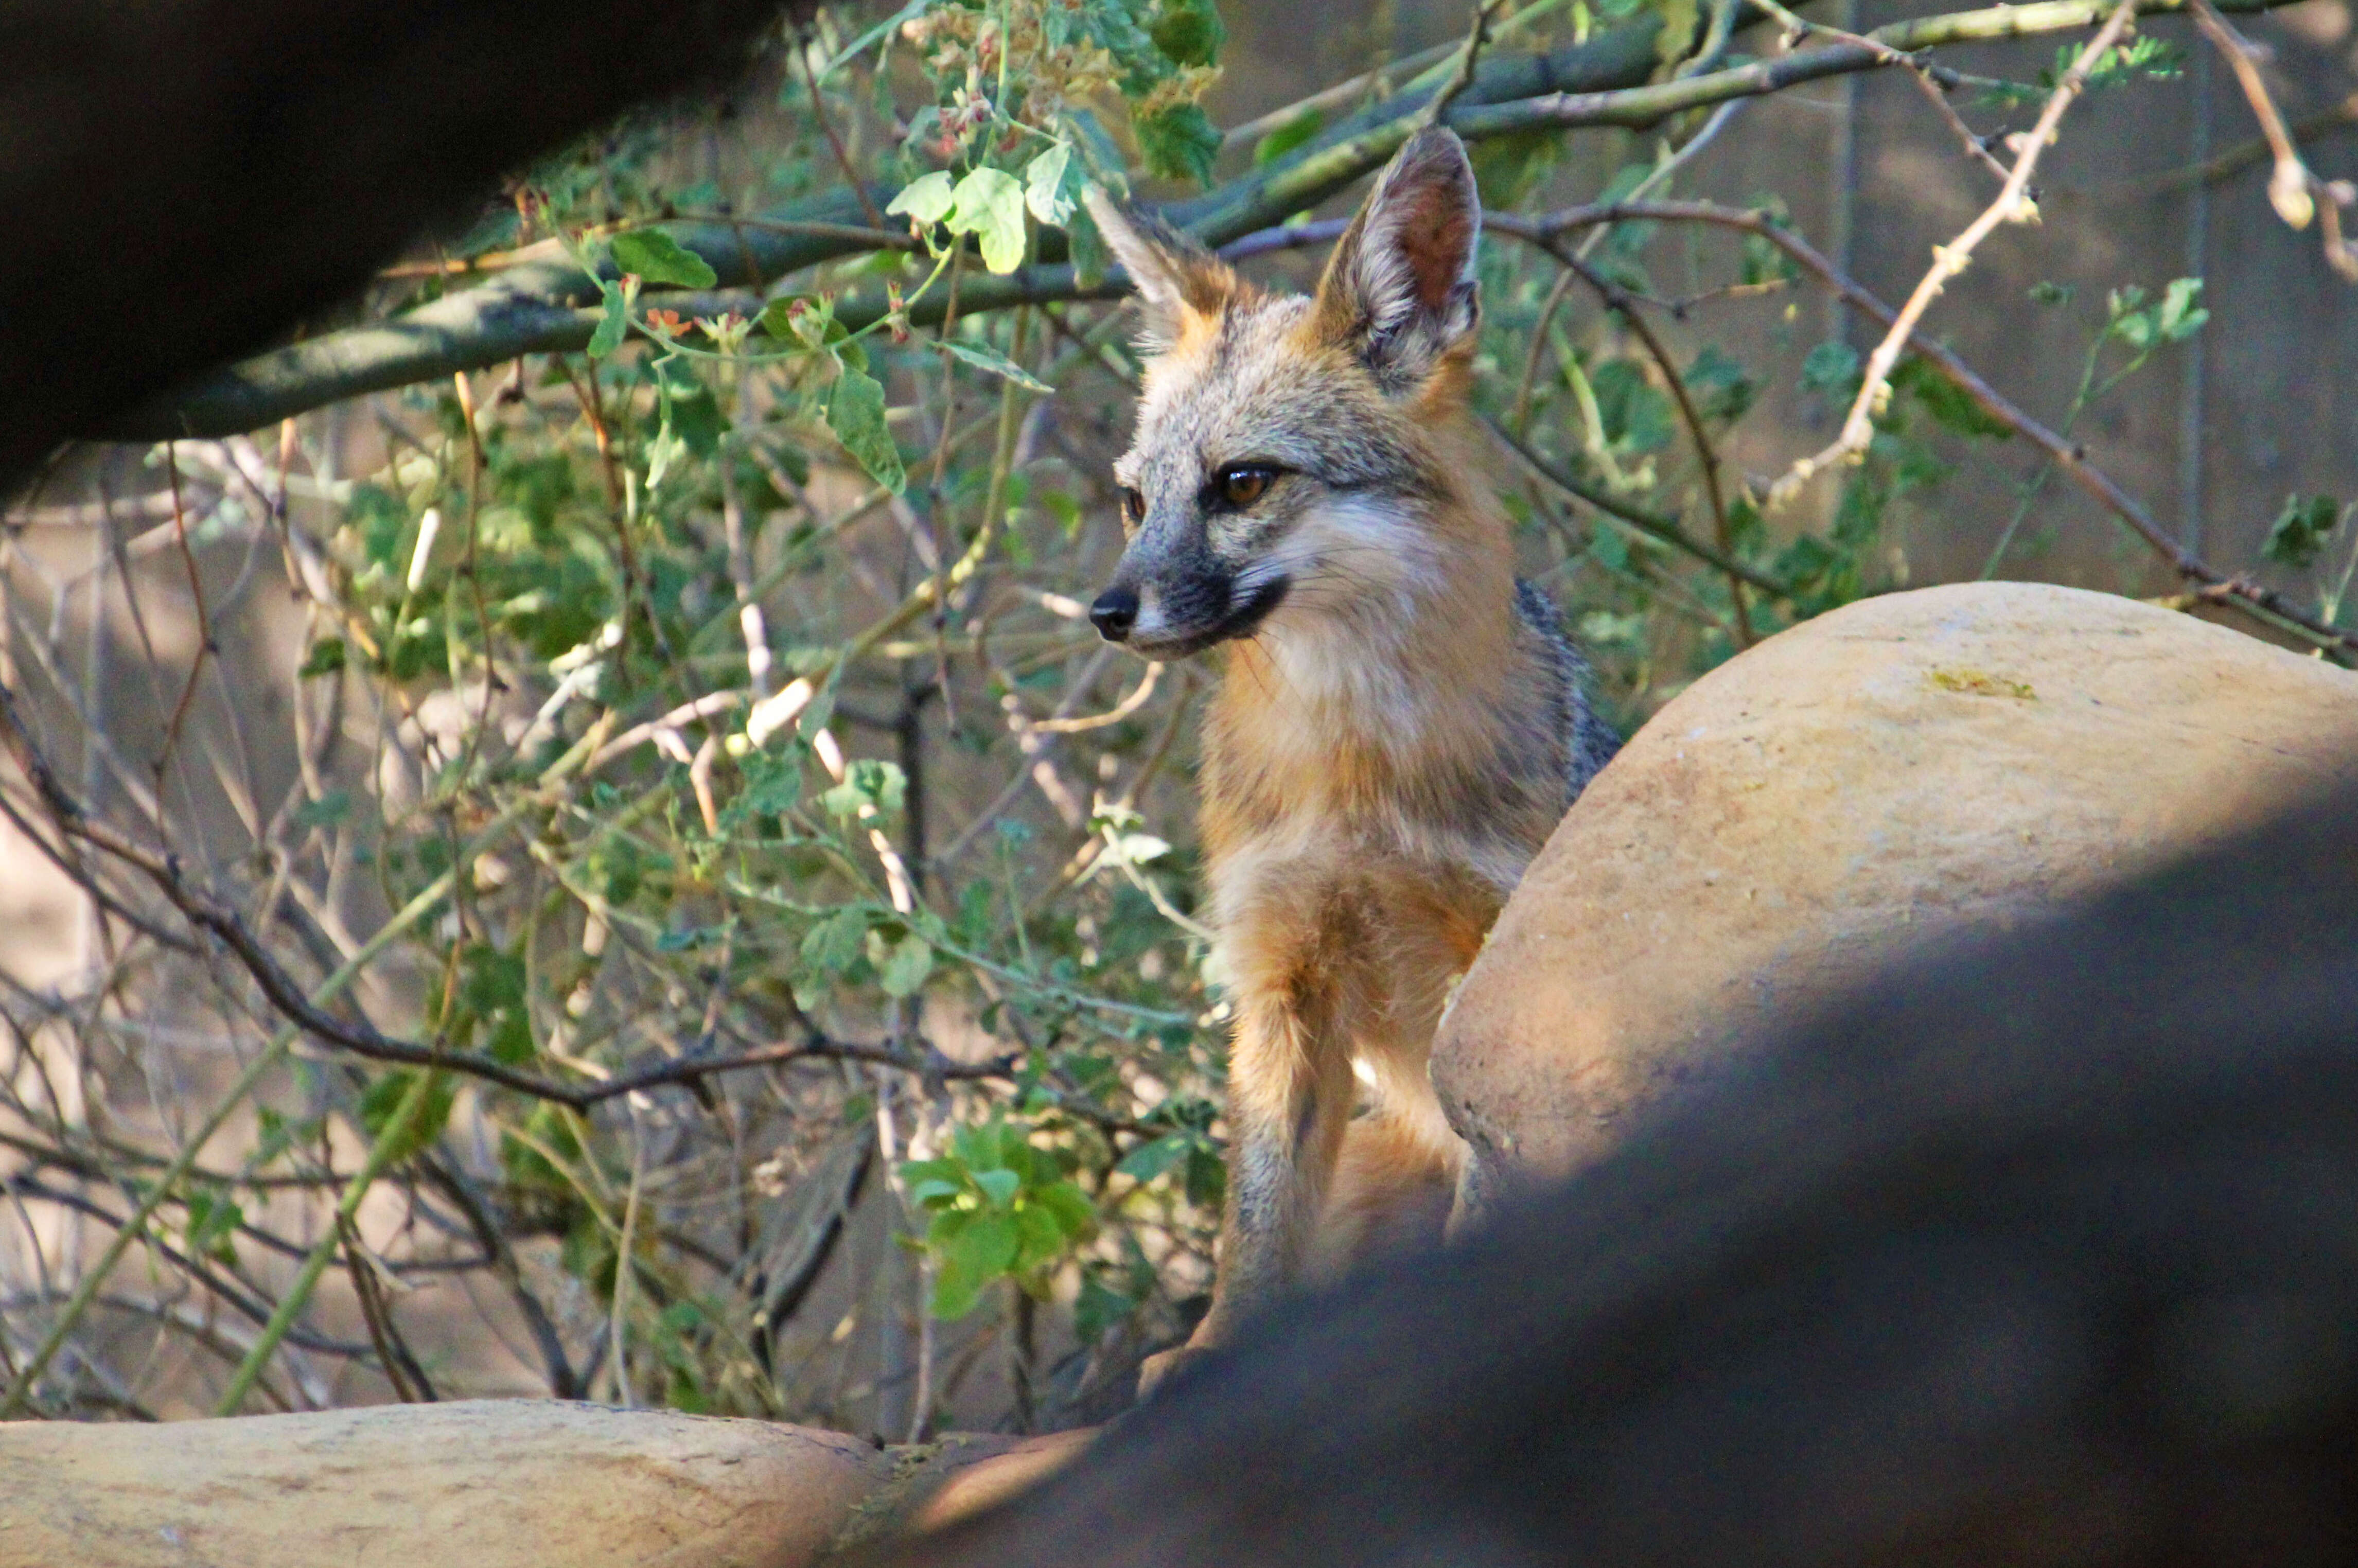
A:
[712,711]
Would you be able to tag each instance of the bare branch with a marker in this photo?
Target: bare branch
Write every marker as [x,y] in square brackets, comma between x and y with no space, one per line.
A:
[2013,206]
[2236,592]
[2293,190]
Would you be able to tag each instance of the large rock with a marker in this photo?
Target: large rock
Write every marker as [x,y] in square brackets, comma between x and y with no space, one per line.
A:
[481,1484]
[1904,767]
[478,1484]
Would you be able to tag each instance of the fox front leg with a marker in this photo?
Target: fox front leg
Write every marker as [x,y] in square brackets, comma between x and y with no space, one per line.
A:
[1290,1098]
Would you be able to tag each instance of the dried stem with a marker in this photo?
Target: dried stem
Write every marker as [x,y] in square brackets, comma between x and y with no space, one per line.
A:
[2293,190]
[2013,205]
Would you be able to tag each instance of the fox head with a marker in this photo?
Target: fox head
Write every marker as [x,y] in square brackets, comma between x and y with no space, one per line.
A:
[1286,469]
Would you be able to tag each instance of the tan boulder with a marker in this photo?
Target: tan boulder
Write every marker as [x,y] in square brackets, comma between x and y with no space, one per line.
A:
[1903,767]
[484,1484]
[475,1483]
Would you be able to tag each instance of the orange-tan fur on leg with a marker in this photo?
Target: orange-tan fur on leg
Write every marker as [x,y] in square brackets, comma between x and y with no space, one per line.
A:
[1401,723]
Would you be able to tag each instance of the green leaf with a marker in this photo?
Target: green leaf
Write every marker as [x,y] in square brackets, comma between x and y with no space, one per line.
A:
[658,258]
[2301,529]
[1207,1176]
[868,782]
[1040,1240]
[690,411]
[901,967]
[1678,34]
[615,324]
[809,320]
[983,356]
[2181,317]
[1099,1308]
[1069,1205]
[490,981]
[1044,186]
[1719,385]
[325,812]
[978,1254]
[1507,169]
[834,942]
[662,453]
[1637,416]
[1091,255]
[2045,293]
[213,1220]
[931,1171]
[1951,406]
[326,657]
[999,1187]
[990,1244]
[1833,369]
[925,200]
[988,204]
[934,1192]
[855,412]
[382,1097]
[1189,32]
[1294,133]
[1764,261]
[1149,1161]
[1178,143]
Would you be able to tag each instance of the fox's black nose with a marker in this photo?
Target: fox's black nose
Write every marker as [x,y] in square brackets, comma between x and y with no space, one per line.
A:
[1115,612]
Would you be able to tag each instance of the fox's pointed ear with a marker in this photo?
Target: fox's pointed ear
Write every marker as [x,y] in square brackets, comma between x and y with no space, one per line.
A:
[1176,278]
[1399,290]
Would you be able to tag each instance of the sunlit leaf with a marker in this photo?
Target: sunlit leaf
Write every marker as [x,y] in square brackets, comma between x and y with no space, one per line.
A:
[925,198]
[2301,529]
[1178,143]
[658,258]
[983,357]
[1044,186]
[614,325]
[988,205]
[900,966]
[855,412]
[1292,133]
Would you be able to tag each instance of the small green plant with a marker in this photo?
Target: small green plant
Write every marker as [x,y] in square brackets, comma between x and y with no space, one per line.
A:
[2299,537]
[2133,322]
[998,1207]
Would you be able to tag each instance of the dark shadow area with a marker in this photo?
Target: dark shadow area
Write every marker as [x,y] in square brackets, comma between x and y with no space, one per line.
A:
[2044,1249]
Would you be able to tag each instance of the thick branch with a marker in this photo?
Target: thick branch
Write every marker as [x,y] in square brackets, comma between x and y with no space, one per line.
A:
[203,176]
[541,308]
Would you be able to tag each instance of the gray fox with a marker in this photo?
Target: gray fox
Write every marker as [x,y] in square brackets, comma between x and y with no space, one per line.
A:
[1401,723]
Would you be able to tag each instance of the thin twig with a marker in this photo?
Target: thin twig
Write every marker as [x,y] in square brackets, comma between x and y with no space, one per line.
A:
[2293,190]
[1920,70]
[204,620]
[2013,205]
[1651,524]
[1114,715]
[2341,118]
[834,142]
[1619,301]
[1469,55]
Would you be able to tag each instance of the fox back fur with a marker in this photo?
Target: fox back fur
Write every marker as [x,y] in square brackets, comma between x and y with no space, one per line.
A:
[1401,723]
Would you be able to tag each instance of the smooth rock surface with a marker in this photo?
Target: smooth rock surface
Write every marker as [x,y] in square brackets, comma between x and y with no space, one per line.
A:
[1905,767]
[475,1483]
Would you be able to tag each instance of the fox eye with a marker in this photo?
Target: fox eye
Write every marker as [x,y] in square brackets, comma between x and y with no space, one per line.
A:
[1241,485]
[1133,506]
